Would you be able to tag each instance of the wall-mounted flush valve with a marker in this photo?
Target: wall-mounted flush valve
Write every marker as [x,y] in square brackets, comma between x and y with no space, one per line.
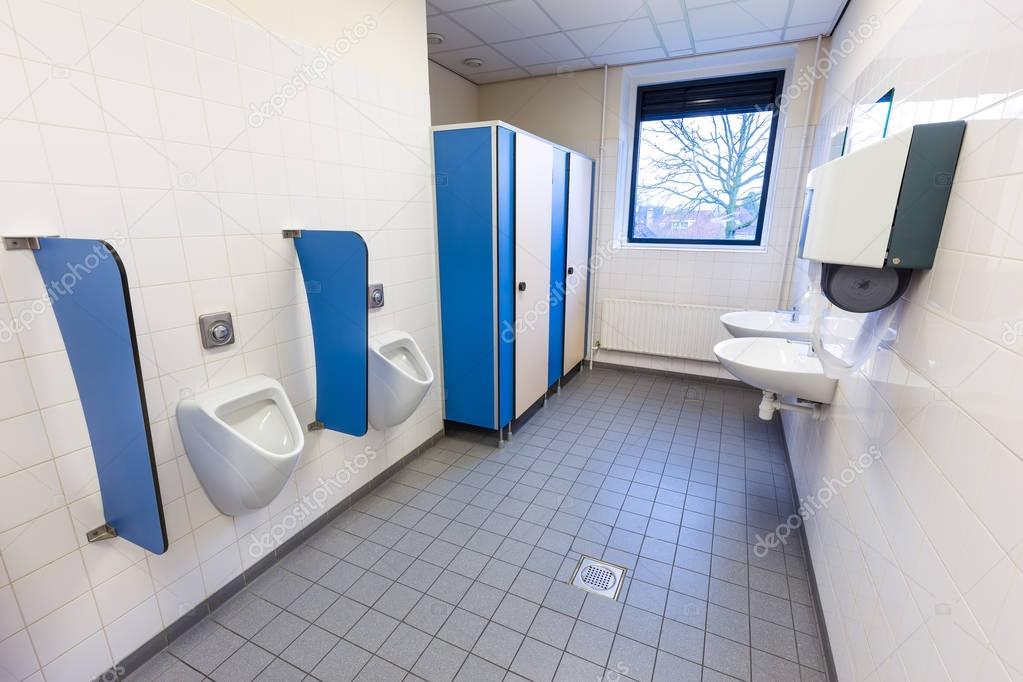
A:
[217,329]
[376,295]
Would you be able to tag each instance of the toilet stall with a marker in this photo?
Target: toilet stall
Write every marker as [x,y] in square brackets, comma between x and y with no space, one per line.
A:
[513,236]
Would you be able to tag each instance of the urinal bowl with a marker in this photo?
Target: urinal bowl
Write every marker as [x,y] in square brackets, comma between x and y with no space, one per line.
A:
[399,378]
[243,441]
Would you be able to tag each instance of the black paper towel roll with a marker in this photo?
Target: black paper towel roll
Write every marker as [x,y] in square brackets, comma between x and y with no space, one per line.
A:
[863,290]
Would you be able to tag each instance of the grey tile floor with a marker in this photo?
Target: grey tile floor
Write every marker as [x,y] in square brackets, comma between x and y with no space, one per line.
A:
[458,568]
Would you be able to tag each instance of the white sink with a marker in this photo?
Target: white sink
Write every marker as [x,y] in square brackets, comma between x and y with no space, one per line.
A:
[777,366]
[764,324]
[761,323]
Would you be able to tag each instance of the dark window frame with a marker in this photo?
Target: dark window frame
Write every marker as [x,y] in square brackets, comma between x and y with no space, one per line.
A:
[709,106]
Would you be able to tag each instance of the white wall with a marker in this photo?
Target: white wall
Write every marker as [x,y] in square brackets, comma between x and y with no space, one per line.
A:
[453,99]
[132,122]
[919,558]
[567,107]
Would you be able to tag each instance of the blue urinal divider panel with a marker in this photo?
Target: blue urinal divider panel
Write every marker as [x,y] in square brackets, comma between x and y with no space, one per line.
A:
[335,267]
[559,234]
[88,289]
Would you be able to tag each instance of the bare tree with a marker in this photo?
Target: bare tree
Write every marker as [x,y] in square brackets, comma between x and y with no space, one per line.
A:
[717,160]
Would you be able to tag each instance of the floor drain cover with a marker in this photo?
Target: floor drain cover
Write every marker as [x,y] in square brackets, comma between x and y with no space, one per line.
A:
[599,577]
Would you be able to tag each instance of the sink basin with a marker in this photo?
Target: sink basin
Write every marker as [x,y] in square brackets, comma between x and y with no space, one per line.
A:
[777,365]
[764,324]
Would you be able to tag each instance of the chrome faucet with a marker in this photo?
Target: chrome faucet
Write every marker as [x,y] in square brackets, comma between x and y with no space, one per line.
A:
[793,312]
[810,351]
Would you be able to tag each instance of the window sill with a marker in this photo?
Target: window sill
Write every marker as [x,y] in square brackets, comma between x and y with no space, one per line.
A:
[711,248]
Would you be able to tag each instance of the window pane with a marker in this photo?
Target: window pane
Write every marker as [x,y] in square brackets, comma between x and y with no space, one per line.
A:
[701,177]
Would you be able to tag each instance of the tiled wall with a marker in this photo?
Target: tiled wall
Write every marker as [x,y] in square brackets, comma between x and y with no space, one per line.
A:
[133,122]
[920,555]
[566,108]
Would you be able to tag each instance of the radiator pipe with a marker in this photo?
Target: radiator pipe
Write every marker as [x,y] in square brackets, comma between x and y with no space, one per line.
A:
[591,283]
[797,203]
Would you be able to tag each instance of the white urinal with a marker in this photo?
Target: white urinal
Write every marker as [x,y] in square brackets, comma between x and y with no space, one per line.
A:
[243,441]
[399,378]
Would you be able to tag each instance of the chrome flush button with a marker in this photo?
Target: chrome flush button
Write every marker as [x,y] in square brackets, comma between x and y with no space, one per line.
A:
[376,296]
[217,329]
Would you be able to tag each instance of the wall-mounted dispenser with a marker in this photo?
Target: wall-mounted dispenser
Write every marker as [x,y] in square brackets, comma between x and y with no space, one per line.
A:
[874,216]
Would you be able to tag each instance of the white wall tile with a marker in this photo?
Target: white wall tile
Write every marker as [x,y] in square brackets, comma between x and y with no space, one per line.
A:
[61,630]
[25,157]
[19,658]
[24,443]
[18,398]
[172,67]
[91,211]
[37,543]
[52,586]
[10,615]
[118,52]
[52,379]
[91,654]
[49,33]
[66,428]
[80,157]
[938,505]
[129,632]
[156,151]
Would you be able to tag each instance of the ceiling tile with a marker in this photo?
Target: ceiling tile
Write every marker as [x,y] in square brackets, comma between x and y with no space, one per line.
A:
[505,20]
[814,12]
[455,37]
[580,13]
[807,31]
[666,10]
[564,68]
[716,21]
[770,14]
[502,75]
[519,38]
[455,5]
[632,57]
[542,49]
[492,60]
[637,34]
[558,45]
[675,36]
[738,42]
[692,4]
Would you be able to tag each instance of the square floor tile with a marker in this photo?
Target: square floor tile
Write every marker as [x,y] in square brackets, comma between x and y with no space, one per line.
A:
[309,648]
[536,661]
[439,662]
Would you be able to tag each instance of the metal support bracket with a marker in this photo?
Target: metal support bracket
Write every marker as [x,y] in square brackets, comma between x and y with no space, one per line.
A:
[104,532]
[291,234]
[316,426]
[21,243]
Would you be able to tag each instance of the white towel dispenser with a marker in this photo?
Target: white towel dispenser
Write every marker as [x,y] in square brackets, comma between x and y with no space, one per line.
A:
[874,216]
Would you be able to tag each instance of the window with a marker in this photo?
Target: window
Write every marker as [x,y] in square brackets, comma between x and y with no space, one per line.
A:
[702,159]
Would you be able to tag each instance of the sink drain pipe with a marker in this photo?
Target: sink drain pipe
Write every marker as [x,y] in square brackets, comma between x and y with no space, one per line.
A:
[770,404]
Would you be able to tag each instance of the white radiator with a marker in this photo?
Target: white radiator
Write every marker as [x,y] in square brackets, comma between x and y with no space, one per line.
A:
[669,329]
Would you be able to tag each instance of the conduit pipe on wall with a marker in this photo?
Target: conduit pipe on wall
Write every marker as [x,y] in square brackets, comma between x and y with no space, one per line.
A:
[797,203]
[592,279]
